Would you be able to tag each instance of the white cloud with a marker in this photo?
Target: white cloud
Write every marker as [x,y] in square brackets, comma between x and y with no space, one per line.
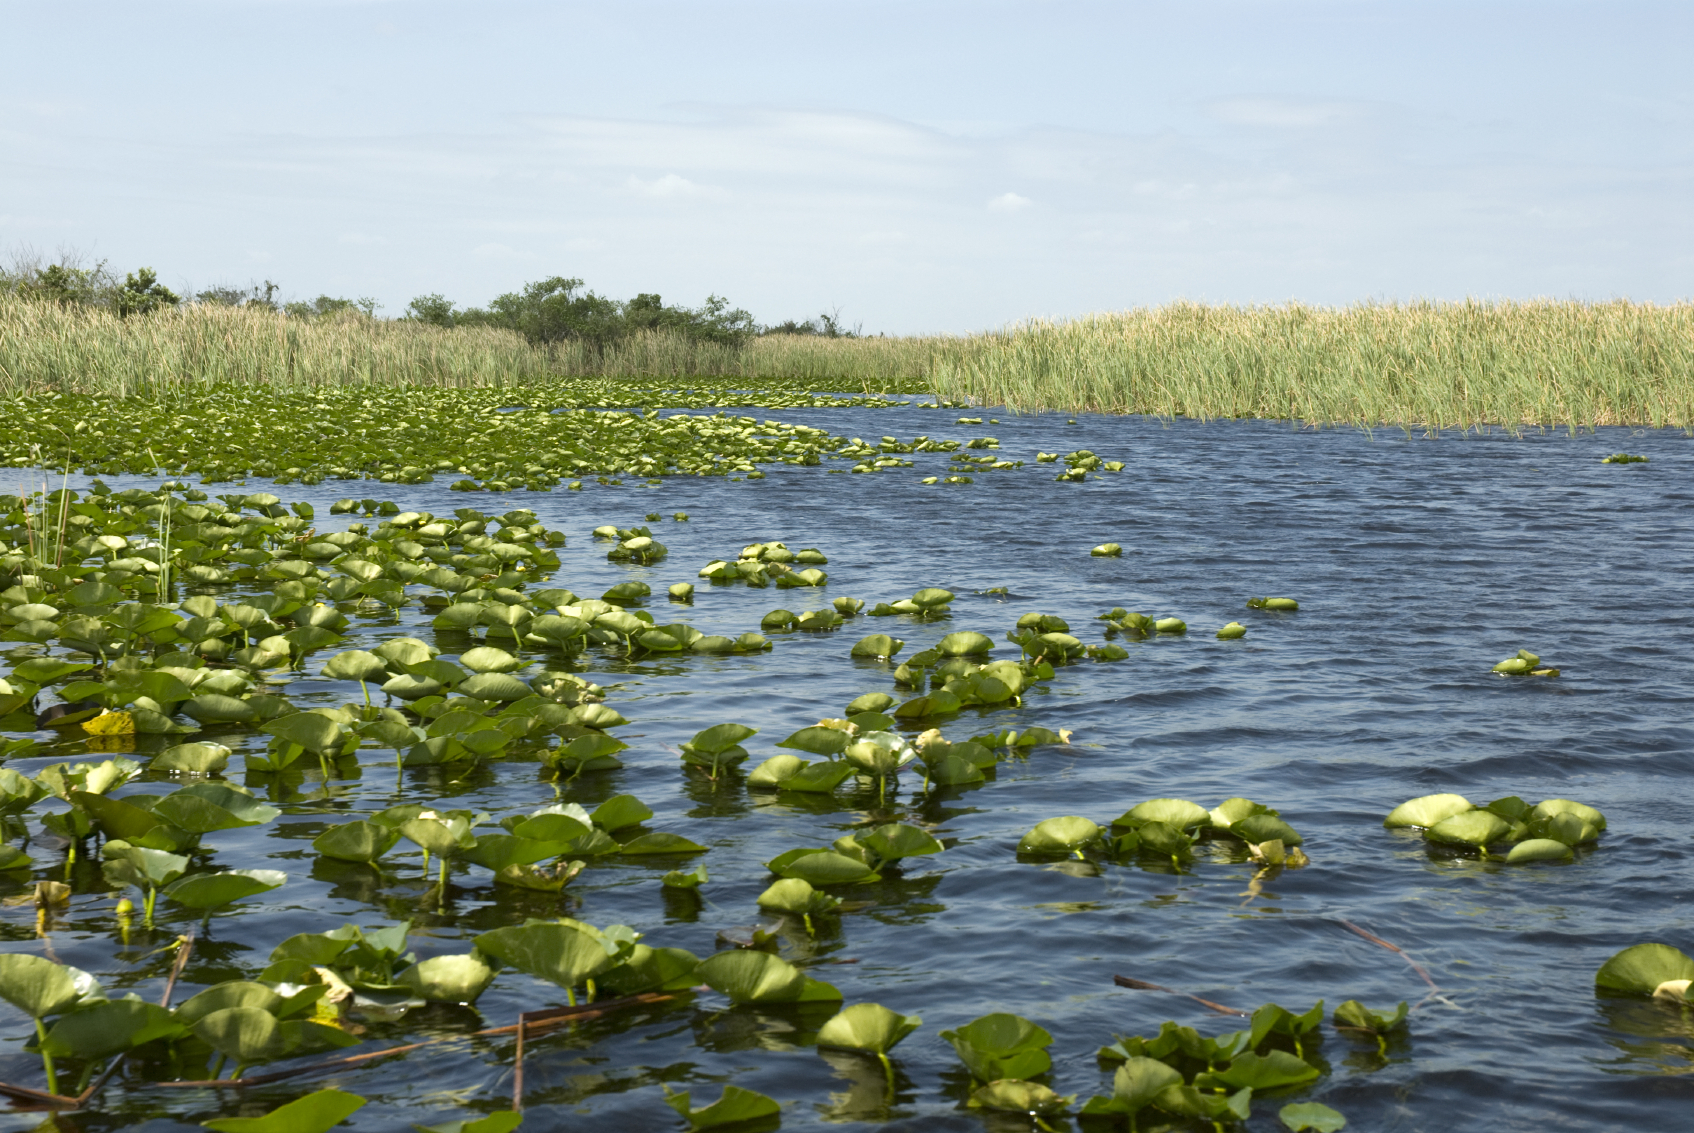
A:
[1009,202]
[670,186]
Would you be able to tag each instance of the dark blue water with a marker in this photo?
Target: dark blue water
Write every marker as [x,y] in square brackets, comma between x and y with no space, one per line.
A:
[1418,563]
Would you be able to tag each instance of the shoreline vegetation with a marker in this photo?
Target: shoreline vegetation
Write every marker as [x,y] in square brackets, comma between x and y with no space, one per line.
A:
[1421,366]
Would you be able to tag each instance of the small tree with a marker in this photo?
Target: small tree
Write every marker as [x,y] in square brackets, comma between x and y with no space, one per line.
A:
[142,294]
[435,309]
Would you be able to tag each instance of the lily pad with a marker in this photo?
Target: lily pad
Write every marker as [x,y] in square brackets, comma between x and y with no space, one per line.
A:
[212,890]
[1640,969]
[315,1113]
[748,976]
[1471,828]
[1059,836]
[868,1027]
[1315,1116]
[735,1106]
[1427,810]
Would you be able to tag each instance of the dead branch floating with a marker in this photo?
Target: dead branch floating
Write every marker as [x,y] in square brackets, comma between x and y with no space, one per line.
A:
[534,1022]
[1377,940]
[1143,985]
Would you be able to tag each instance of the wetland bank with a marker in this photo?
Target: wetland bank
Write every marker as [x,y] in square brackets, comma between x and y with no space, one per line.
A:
[790,731]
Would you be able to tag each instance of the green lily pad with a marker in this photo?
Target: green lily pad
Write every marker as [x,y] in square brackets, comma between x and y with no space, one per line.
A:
[1471,828]
[1427,810]
[1014,1095]
[1059,836]
[211,890]
[449,979]
[867,1026]
[1539,850]
[356,841]
[735,1106]
[315,1113]
[1640,969]
[1315,1116]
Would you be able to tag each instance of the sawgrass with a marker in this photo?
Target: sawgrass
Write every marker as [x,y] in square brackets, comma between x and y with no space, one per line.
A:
[1425,365]
[1428,366]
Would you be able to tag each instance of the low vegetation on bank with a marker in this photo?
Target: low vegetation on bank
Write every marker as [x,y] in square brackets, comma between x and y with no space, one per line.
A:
[1424,366]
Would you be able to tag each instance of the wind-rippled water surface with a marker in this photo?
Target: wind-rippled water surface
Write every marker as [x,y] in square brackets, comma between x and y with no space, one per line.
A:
[1418,564]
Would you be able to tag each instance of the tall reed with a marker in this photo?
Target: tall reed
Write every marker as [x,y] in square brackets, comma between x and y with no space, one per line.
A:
[1420,365]
[46,346]
[1423,365]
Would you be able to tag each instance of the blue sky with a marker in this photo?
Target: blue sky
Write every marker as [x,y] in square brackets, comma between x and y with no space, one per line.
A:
[921,166]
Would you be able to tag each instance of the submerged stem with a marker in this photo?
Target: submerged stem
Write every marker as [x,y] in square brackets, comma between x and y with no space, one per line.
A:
[46,1059]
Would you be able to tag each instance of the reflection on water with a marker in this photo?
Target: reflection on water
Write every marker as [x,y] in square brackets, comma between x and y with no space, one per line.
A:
[873,1093]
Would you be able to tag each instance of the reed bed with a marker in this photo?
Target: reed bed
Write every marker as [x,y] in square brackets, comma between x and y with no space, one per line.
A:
[85,350]
[82,350]
[1426,365]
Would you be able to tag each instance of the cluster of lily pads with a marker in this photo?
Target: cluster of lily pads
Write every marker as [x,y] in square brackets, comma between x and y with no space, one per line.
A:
[1550,830]
[1623,458]
[761,564]
[91,597]
[1170,829]
[412,436]
[1525,664]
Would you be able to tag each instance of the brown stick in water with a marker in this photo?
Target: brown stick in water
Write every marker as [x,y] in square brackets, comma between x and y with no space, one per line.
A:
[1143,985]
[534,1021]
[1374,939]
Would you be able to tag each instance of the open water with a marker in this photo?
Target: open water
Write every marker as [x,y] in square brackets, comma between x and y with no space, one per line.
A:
[1418,563]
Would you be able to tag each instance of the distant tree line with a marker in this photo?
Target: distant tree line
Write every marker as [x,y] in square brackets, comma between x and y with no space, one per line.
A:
[548,311]
[558,309]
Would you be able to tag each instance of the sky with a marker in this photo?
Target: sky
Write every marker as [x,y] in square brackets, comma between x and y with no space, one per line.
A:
[917,167]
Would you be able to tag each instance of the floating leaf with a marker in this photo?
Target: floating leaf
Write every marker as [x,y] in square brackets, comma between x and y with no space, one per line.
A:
[1358,1017]
[210,890]
[1315,1116]
[1002,1045]
[827,867]
[748,976]
[662,843]
[197,758]
[553,951]
[734,1107]
[1014,1095]
[1640,969]
[317,1112]
[867,1026]
[111,1027]
[37,986]
[449,979]
[620,811]
[1427,810]
[1472,828]
[1059,836]
[357,841]
[1539,850]
[502,1122]
[1262,1071]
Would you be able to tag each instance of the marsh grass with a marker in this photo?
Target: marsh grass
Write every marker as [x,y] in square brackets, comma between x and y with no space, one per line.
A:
[1426,366]
[45,346]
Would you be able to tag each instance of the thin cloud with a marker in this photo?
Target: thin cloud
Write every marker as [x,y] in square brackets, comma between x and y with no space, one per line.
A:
[1009,202]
